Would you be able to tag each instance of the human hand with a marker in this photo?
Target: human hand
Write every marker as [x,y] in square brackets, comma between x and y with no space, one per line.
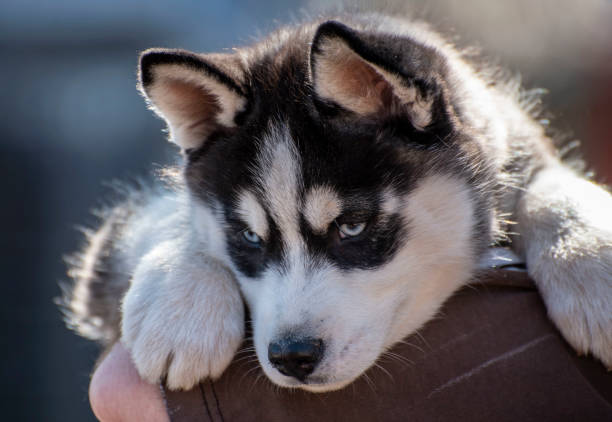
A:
[117,393]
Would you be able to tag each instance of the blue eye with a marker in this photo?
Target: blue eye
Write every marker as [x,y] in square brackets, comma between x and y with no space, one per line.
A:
[351,229]
[251,237]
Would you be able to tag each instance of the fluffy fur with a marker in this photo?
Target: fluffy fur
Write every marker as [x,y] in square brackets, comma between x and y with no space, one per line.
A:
[344,177]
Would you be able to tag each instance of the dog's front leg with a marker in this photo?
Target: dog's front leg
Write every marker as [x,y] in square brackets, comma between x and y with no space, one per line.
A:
[565,235]
[183,316]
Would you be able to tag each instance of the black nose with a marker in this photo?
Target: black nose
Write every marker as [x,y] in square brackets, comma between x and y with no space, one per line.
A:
[295,357]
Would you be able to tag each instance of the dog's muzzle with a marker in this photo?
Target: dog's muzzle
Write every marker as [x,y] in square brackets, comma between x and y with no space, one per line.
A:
[295,358]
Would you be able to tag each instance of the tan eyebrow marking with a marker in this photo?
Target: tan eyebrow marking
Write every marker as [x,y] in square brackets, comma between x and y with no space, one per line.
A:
[391,203]
[321,206]
[252,213]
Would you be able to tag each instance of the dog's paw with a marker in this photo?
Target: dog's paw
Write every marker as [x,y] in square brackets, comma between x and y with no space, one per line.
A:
[578,298]
[183,350]
[565,228]
[182,322]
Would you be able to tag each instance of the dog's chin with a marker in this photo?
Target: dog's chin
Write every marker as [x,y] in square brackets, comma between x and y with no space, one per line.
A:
[324,388]
[312,386]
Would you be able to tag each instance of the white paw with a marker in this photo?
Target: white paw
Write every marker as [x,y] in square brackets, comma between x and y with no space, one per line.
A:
[183,319]
[565,226]
[578,297]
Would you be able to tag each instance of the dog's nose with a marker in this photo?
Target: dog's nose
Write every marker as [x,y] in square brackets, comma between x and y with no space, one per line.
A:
[295,357]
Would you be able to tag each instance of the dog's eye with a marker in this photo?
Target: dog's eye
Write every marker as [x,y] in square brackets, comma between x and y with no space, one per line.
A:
[251,237]
[351,229]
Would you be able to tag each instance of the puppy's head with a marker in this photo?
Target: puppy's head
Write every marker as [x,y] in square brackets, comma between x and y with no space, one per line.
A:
[328,169]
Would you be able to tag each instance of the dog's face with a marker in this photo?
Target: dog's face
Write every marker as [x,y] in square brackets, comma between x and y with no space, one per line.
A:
[332,184]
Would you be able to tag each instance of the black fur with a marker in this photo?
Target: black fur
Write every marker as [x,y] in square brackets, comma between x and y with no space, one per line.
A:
[357,156]
[150,58]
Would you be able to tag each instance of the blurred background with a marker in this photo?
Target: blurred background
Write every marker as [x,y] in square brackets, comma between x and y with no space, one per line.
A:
[72,119]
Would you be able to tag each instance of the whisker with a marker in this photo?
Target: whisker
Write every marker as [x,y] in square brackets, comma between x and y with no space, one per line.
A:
[418,333]
[246,349]
[407,343]
[256,381]
[247,373]
[370,382]
[243,352]
[384,370]
[472,287]
[398,358]
[247,358]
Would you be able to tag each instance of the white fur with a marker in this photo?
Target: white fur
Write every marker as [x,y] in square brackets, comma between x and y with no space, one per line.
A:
[81,295]
[360,313]
[565,224]
[281,181]
[168,312]
[171,328]
[171,324]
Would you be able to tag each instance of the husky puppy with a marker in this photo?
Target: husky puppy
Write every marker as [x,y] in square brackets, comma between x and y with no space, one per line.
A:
[343,177]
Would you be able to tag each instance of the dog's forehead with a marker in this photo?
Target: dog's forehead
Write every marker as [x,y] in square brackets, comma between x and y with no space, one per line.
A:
[278,178]
[281,187]
[288,177]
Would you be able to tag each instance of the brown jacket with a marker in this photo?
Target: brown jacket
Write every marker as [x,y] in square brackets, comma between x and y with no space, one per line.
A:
[492,355]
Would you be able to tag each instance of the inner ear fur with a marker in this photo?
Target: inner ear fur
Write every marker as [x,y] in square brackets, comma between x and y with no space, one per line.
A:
[346,69]
[194,94]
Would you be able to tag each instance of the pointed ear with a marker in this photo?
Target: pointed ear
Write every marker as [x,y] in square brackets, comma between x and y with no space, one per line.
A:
[194,94]
[372,74]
